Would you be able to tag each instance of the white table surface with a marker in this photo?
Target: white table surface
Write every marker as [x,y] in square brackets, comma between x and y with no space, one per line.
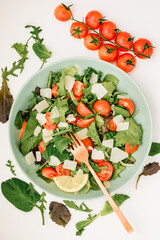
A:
[141,19]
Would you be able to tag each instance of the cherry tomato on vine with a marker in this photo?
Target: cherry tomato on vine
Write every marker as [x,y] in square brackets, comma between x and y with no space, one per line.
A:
[83,110]
[143,46]
[77,88]
[130,149]
[62,171]
[49,125]
[108,52]
[112,126]
[88,143]
[124,39]
[105,174]
[92,19]
[78,30]
[107,29]
[102,105]
[41,147]
[49,172]
[128,104]
[54,91]
[92,41]
[84,123]
[126,62]
[63,13]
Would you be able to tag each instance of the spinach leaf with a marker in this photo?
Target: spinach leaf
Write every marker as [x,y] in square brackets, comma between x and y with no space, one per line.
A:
[63,107]
[155,149]
[93,184]
[118,198]
[21,49]
[93,134]
[61,143]
[18,120]
[117,169]
[30,143]
[111,78]
[82,224]
[110,87]
[9,164]
[119,110]
[82,207]
[41,52]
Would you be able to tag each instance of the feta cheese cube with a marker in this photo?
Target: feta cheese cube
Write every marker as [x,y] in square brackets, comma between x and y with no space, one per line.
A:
[54,161]
[70,118]
[82,134]
[96,154]
[47,135]
[63,125]
[69,82]
[94,78]
[38,156]
[99,90]
[41,106]
[68,164]
[30,158]
[55,113]
[117,155]
[108,143]
[122,126]
[37,130]
[79,171]
[41,119]
[46,92]
[118,119]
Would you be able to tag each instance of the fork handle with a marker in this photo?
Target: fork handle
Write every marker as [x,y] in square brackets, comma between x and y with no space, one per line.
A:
[122,218]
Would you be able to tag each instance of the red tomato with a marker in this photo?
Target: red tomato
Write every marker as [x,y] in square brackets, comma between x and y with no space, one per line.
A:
[83,110]
[143,46]
[105,174]
[62,13]
[124,39]
[127,103]
[22,129]
[49,125]
[84,123]
[130,150]
[78,30]
[92,41]
[61,171]
[78,98]
[78,163]
[126,62]
[49,172]
[92,19]
[112,126]
[41,147]
[108,30]
[54,91]
[88,143]
[102,105]
[77,88]
[108,52]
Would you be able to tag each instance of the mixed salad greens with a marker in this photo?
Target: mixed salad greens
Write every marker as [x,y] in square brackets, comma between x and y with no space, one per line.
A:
[90,105]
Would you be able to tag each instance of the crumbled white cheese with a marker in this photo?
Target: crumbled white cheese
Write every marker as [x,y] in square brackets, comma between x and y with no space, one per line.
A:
[96,154]
[99,90]
[46,92]
[122,126]
[41,106]
[41,118]
[47,135]
[118,119]
[108,143]
[69,82]
[55,113]
[37,130]
[79,171]
[79,69]
[90,148]
[94,78]
[82,134]
[38,156]
[117,155]
[70,118]
[30,158]
[107,184]
[112,107]
[68,164]
[54,161]
[63,125]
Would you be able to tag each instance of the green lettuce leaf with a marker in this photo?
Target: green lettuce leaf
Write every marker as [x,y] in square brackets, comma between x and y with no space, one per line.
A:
[61,143]
[111,78]
[93,134]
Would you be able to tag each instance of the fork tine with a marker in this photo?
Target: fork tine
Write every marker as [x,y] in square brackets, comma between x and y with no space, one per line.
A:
[74,140]
[75,143]
[77,138]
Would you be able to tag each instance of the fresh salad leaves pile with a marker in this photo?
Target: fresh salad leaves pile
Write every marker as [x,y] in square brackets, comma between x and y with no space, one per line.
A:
[90,105]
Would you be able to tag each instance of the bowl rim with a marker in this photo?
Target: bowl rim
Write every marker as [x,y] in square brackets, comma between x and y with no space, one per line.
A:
[89,59]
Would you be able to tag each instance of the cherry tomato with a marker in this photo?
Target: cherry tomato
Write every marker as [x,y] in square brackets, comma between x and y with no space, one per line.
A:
[126,62]
[88,143]
[112,126]
[77,88]
[127,103]
[102,105]
[54,91]
[105,174]
[78,30]
[108,52]
[61,171]
[98,160]
[41,147]
[92,41]
[22,129]
[78,98]
[83,110]
[49,125]
[92,19]
[84,123]
[124,39]
[78,163]
[130,150]
[143,46]
[108,30]
[62,13]
[49,172]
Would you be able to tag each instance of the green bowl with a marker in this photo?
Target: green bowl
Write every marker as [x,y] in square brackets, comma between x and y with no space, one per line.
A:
[126,84]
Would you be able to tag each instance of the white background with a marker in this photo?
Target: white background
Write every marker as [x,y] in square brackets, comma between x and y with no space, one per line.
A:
[141,19]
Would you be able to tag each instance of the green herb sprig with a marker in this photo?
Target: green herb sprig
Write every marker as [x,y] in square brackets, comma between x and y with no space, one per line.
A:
[82,207]
[9,164]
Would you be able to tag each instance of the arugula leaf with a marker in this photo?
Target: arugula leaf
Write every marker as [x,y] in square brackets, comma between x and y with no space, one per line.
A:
[117,169]
[95,167]
[9,164]
[93,134]
[133,135]
[42,206]
[111,78]
[82,224]
[61,143]
[155,149]
[41,52]
[118,198]
[30,143]
[82,207]
[35,33]
[21,49]
[18,120]
[88,97]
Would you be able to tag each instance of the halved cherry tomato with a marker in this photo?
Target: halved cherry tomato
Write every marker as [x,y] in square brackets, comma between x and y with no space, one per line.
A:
[49,172]
[22,129]
[92,19]
[88,143]
[78,30]
[108,30]
[41,147]
[108,52]
[143,46]
[126,62]
[127,103]
[49,125]
[102,105]
[98,160]
[84,123]
[124,39]
[105,174]
[54,91]
[77,88]
[83,110]
[61,171]
[62,13]
[78,98]
[78,163]
[92,41]
[130,150]
[112,126]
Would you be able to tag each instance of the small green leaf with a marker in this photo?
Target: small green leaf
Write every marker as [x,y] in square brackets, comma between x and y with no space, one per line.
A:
[82,224]
[155,149]
[9,164]
[21,49]
[18,120]
[82,207]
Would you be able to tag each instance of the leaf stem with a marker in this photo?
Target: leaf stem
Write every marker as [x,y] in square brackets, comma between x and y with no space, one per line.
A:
[39,168]
[42,214]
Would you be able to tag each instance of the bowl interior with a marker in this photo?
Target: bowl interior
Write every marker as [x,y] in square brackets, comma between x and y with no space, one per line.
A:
[126,84]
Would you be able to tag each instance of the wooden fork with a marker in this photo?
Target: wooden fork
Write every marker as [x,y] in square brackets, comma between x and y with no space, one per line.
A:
[81,154]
